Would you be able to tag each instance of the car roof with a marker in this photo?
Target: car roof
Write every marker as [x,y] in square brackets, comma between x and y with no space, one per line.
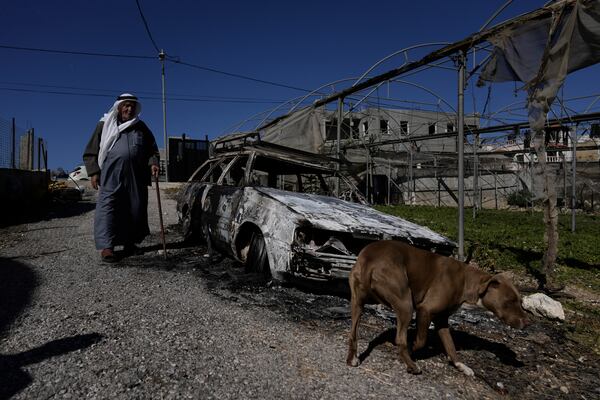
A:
[249,142]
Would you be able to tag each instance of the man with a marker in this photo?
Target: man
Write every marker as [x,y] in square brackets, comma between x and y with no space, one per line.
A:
[120,158]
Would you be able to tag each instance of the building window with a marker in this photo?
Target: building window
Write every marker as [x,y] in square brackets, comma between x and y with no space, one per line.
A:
[331,129]
[432,128]
[384,126]
[449,127]
[404,127]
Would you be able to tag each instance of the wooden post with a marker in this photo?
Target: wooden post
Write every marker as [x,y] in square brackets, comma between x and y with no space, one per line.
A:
[32,149]
[13,154]
[574,178]
[39,154]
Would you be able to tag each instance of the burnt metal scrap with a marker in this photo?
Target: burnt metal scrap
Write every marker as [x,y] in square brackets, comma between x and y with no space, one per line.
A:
[270,207]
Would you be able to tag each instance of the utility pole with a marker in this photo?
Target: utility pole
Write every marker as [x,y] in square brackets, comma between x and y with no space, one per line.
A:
[161,57]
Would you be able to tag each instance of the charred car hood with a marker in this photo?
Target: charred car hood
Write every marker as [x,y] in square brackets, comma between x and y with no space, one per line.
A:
[333,214]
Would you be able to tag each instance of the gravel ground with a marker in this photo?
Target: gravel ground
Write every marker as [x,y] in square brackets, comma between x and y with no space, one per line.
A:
[188,327]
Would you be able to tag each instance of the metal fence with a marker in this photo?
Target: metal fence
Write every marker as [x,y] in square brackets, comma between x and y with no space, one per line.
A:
[19,148]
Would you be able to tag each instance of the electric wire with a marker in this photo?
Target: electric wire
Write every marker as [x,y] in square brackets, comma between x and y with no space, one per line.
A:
[146,26]
[80,53]
[112,91]
[175,60]
[234,75]
[224,100]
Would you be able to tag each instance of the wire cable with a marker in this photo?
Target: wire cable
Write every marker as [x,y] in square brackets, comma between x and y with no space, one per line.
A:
[113,91]
[175,60]
[81,53]
[216,100]
[249,78]
[146,26]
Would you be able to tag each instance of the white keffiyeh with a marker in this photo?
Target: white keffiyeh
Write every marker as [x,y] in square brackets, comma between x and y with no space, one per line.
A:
[111,128]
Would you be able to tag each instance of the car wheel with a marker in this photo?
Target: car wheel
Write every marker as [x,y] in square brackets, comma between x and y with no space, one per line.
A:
[190,225]
[186,227]
[257,260]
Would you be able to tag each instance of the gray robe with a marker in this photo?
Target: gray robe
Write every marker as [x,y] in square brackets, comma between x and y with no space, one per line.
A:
[122,208]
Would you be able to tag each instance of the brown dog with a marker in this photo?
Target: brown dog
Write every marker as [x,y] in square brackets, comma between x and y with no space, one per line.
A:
[404,277]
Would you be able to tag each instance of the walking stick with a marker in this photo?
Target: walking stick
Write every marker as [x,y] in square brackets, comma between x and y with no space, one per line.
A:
[162,228]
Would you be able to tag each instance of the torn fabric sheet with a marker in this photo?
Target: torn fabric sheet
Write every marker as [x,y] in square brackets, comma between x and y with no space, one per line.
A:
[542,53]
[300,130]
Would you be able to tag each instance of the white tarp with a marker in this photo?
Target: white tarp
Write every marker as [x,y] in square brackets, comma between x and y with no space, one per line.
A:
[542,53]
[300,130]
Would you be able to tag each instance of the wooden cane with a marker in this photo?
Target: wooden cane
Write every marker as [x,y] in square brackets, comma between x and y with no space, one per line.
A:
[162,228]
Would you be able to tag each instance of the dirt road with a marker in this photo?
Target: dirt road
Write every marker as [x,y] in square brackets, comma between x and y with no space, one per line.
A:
[73,327]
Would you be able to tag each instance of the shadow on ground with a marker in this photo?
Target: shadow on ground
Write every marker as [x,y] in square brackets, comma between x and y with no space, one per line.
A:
[14,378]
[462,341]
[17,286]
[47,211]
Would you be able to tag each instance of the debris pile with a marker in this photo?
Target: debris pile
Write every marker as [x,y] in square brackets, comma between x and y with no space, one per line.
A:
[61,193]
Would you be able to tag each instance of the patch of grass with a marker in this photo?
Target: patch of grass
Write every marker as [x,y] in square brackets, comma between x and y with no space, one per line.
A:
[584,325]
[514,240]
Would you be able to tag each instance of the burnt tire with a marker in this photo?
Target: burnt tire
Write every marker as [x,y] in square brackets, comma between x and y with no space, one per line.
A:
[191,227]
[187,229]
[257,260]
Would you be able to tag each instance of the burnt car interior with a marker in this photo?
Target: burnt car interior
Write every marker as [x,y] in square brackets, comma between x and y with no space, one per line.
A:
[267,171]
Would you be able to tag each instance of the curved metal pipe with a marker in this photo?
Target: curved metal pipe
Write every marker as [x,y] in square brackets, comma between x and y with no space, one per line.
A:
[431,92]
[273,110]
[250,118]
[395,54]
[494,15]
[319,88]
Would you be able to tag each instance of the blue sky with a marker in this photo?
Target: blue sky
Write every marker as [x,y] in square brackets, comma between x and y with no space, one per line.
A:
[300,44]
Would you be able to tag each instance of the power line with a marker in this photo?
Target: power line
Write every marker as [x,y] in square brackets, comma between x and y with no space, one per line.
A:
[202,100]
[146,25]
[178,61]
[81,53]
[174,60]
[113,91]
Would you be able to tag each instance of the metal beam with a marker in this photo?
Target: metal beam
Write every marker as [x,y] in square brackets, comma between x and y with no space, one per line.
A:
[498,128]
[460,143]
[462,45]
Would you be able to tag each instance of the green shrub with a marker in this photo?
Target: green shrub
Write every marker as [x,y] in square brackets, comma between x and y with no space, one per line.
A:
[519,198]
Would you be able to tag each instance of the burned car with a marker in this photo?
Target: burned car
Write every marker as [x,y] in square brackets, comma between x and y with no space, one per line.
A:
[271,208]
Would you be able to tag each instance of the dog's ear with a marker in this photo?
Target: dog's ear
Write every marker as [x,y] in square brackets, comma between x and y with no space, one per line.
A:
[487,282]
